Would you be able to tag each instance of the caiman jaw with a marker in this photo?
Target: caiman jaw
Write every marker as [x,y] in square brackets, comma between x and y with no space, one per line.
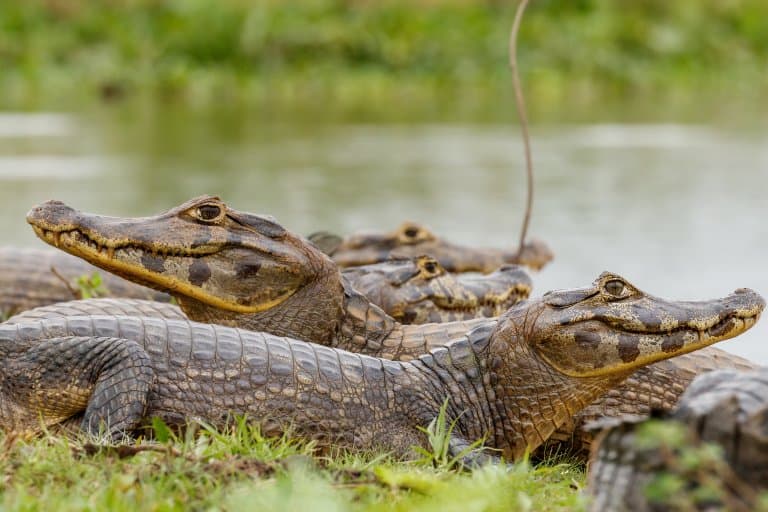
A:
[102,253]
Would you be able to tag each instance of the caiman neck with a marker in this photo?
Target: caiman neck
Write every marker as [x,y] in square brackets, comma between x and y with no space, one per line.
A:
[312,314]
[533,398]
[506,394]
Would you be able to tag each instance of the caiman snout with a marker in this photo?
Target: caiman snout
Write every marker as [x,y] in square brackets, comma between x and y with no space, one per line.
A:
[49,213]
[745,302]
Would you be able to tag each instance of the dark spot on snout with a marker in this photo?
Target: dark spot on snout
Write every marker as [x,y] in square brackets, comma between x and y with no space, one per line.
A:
[673,342]
[153,263]
[587,339]
[199,272]
[408,317]
[201,240]
[722,328]
[247,269]
[628,349]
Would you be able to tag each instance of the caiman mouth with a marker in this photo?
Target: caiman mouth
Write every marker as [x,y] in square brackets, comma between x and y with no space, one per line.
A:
[79,238]
[509,297]
[105,253]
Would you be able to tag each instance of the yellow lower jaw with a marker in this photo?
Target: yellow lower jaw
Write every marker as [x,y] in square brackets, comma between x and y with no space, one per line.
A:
[171,285]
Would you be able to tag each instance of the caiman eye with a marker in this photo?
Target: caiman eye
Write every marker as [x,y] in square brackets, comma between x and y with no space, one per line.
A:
[413,234]
[429,265]
[208,212]
[615,287]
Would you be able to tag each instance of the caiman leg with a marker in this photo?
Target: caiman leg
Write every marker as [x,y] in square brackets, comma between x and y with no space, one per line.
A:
[112,376]
[211,372]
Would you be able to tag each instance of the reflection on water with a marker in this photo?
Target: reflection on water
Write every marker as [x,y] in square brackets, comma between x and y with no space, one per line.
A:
[679,210]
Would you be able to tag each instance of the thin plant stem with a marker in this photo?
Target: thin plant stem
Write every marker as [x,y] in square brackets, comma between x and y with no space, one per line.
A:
[520,101]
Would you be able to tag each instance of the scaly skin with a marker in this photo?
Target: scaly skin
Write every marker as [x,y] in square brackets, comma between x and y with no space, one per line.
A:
[356,325]
[511,385]
[419,290]
[240,270]
[725,407]
[412,239]
[28,279]
[413,291]
[654,388]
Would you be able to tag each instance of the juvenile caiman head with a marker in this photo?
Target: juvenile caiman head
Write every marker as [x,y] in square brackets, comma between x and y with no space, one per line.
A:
[419,290]
[219,263]
[411,240]
[551,356]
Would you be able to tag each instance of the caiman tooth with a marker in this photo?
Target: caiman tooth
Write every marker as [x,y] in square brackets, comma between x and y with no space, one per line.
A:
[56,237]
[110,252]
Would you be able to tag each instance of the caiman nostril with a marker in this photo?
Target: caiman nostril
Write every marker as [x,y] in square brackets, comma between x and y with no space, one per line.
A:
[743,290]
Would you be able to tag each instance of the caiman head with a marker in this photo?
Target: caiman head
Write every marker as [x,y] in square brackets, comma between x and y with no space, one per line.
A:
[552,356]
[411,240]
[219,263]
[419,290]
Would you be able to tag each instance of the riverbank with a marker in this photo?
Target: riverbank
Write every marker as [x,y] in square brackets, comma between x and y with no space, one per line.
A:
[379,56]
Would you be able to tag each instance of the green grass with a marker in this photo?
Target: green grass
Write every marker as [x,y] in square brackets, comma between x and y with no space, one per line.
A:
[242,470]
[91,286]
[441,55]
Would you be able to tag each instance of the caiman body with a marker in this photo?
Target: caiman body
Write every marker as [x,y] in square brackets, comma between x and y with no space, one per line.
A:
[725,408]
[512,384]
[30,278]
[412,239]
[413,290]
[246,271]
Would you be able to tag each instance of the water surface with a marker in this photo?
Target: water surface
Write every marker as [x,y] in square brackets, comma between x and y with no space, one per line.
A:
[679,210]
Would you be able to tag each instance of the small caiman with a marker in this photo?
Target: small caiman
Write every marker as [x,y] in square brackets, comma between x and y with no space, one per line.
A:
[511,384]
[412,239]
[419,290]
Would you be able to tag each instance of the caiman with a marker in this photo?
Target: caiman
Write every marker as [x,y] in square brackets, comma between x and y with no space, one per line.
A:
[413,290]
[30,278]
[633,458]
[412,239]
[419,290]
[242,270]
[510,384]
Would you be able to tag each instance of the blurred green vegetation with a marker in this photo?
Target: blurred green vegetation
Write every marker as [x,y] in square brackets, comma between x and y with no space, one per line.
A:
[449,54]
